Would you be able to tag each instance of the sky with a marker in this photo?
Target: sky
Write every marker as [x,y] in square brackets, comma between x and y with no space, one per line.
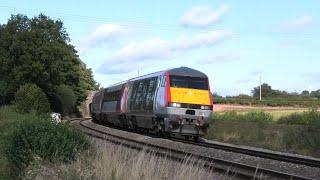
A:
[233,42]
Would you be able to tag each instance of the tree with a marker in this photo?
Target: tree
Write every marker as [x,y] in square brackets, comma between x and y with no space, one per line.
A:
[65,100]
[266,91]
[30,97]
[38,51]
[315,94]
[305,93]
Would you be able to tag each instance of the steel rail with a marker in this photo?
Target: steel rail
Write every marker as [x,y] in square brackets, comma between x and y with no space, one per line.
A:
[229,167]
[284,157]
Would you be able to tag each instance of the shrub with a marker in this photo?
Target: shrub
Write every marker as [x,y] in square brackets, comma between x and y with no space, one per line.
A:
[304,138]
[304,118]
[30,97]
[65,100]
[44,139]
[252,116]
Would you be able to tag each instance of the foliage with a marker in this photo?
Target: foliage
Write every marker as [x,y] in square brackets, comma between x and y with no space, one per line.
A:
[38,51]
[305,138]
[256,134]
[65,100]
[294,133]
[252,116]
[30,97]
[266,91]
[304,118]
[293,101]
[272,97]
[42,138]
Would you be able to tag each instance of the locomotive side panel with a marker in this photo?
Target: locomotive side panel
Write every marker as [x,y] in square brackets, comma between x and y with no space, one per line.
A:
[96,105]
[111,104]
[140,101]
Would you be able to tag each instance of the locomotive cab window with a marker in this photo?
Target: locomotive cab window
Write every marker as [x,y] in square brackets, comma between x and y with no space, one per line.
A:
[188,82]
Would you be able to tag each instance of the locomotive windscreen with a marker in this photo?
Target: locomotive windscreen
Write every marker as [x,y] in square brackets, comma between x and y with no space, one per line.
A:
[188,82]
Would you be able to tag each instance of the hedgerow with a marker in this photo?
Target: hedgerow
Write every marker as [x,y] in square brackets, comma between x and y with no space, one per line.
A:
[252,116]
[304,118]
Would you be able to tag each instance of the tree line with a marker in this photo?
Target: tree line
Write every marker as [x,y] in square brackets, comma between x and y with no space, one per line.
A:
[38,51]
[272,97]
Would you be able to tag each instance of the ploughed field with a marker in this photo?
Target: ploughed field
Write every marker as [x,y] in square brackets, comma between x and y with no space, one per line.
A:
[287,129]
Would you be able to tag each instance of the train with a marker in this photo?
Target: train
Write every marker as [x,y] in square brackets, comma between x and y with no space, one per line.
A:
[172,102]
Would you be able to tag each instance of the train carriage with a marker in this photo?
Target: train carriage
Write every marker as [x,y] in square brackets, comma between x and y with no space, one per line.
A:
[172,102]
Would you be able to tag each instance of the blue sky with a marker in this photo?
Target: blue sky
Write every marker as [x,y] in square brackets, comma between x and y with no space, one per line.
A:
[233,42]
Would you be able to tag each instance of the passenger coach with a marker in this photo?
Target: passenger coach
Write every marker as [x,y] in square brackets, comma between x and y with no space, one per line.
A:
[171,102]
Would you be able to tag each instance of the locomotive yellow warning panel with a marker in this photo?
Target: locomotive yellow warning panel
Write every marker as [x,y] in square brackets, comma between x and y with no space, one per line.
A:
[190,96]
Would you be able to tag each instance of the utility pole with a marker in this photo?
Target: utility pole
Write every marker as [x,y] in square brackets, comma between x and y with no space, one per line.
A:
[138,72]
[260,87]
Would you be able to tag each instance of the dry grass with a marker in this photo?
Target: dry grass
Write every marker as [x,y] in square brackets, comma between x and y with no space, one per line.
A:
[275,112]
[114,162]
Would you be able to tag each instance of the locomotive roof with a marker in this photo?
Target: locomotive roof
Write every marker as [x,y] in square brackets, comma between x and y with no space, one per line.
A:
[180,71]
[185,71]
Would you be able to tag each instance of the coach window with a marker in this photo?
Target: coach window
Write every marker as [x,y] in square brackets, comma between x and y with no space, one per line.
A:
[163,84]
[150,93]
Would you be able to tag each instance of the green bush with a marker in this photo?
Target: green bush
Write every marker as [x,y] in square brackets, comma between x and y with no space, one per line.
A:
[42,138]
[304,138]
[30,97]
[65,100]
[304,118]
[252,116]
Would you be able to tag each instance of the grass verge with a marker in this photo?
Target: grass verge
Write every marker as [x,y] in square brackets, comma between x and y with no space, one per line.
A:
[297,133]
[27,137]
[114,162]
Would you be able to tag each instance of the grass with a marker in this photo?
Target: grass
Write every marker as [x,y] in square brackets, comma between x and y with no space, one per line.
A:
[114,162]
[103,161]
[27,137]
[296,132]
[275,113]
[7,117]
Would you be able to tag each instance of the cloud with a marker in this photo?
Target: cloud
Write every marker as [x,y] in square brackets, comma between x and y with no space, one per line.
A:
[223,58]
[102,34]
[297,24]
[156,49]
[202,16]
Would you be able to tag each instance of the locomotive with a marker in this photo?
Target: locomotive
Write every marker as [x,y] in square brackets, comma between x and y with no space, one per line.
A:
[173,102]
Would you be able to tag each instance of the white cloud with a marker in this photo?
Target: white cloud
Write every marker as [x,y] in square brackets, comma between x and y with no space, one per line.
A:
[202,16]
[156,49]
[101,34]
[297,24]
[222,58]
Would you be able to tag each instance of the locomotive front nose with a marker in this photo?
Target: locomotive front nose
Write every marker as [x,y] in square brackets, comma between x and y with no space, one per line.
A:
[189,103]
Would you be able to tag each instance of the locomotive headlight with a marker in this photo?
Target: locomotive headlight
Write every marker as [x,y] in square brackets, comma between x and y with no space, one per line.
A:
[175,105]
[205,107]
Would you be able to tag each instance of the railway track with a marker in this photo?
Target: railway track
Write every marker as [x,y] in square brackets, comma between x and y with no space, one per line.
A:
[284,157]
[241,170]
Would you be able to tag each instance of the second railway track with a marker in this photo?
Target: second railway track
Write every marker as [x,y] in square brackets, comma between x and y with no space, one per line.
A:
[230,167]
[262,153]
